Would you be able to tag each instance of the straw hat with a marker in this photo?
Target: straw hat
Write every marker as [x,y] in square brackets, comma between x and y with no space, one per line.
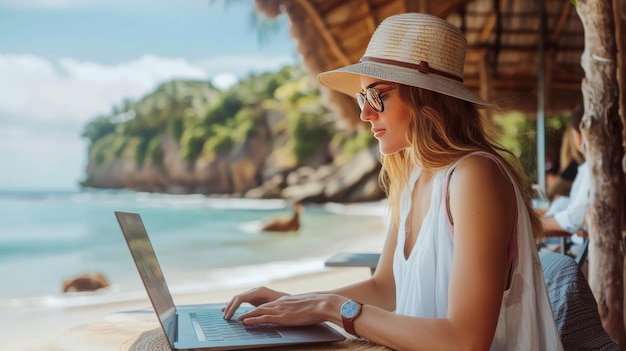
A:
[414,49]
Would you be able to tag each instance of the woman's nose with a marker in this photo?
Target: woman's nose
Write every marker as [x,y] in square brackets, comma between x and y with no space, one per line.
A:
[367,113]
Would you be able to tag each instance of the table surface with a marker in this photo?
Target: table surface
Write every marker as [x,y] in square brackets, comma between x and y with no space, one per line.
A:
[354,259]
[139,330]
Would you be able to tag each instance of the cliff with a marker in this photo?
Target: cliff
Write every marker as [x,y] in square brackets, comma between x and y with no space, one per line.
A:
[247,173]
[188,137]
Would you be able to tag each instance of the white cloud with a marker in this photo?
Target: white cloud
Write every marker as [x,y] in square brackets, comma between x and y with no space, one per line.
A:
[45,105]
[224,81]
[242,65]
[70,90]
[32,160]
[228,70]
[146,70]
[33,88]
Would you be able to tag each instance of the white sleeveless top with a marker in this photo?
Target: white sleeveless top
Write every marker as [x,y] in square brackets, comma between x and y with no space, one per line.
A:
[526,321]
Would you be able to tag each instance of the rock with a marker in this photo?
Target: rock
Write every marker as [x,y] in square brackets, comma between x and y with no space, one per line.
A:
[265,191]
[86,282]
[285,224]
[312,191]
[367,190]
[340,185]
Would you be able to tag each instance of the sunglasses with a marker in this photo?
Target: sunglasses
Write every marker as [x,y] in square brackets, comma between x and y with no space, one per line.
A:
[372,96]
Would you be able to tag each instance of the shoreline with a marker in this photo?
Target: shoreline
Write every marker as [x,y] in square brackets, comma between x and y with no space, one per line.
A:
[34,318]
[188,282]
[36,329]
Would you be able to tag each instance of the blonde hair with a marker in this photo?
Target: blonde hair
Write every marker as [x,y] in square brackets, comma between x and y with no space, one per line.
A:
[569,150]
[441,130]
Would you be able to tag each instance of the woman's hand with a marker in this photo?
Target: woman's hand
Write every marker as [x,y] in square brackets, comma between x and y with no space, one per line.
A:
[295,310]
[255,297]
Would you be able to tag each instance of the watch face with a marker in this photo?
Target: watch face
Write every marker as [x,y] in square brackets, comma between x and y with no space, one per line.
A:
[349,309]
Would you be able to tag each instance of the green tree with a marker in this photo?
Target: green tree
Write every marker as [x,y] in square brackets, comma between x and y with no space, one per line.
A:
[98,128]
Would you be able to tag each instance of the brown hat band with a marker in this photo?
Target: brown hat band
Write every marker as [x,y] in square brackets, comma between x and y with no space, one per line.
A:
[423,67]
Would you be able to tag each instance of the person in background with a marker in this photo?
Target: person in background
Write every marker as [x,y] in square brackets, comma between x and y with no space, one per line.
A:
[459,268]
[570,158]
[566,214]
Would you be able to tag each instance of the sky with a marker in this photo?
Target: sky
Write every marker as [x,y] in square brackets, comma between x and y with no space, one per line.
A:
[65,62]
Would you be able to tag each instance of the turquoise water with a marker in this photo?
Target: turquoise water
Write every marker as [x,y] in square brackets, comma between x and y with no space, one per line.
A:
[202,243]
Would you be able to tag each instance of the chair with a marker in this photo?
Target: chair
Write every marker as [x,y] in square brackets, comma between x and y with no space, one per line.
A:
[582,255]
[573,305]
[565,248]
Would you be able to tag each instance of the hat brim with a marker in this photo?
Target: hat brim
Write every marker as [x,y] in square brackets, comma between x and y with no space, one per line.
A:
[347,80]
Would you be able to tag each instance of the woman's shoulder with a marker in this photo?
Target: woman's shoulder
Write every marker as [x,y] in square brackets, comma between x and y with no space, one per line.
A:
[479,161]
[481,169]
[483,182]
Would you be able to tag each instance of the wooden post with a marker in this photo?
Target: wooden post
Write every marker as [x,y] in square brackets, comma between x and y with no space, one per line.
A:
[601,128]
[619,10]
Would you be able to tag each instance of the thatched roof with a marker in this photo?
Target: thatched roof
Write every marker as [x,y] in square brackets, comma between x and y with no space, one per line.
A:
[503,43]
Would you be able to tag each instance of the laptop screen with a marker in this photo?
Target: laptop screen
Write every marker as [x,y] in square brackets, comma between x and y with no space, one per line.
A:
[149,270]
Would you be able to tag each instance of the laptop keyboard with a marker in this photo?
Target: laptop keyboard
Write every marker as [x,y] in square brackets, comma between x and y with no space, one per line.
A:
[216,328]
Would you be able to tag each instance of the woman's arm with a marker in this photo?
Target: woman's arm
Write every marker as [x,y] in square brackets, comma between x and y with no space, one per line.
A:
[378,290]
[483,205]
[552,228]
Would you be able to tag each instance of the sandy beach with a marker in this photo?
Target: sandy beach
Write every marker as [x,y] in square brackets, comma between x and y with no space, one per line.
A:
[37,329]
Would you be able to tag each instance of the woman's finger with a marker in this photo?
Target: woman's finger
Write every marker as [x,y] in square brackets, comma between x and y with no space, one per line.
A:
[255,297]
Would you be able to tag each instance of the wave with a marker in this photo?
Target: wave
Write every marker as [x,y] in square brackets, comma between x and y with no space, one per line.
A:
[182,200]
[377,208]
[146,199]
[251,227]
[180,283]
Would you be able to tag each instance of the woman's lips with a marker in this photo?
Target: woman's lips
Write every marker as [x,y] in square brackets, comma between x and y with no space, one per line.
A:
[378,132]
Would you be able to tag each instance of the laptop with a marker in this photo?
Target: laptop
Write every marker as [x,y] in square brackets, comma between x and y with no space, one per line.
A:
[202,327]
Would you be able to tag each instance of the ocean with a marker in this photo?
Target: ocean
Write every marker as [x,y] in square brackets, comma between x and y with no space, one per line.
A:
[202,243]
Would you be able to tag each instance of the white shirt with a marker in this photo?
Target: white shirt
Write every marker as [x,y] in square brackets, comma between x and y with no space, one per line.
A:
[569,211]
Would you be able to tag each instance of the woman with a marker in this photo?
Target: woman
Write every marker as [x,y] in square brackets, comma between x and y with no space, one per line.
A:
[459,268]
[566,215]
[571,157]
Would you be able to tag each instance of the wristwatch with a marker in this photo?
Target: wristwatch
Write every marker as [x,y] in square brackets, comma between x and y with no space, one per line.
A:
[349,311]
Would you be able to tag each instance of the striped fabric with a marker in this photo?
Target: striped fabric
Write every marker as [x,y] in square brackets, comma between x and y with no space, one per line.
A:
[574,307]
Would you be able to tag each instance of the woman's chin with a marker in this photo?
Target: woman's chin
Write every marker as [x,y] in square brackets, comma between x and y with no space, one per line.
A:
[388,150]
